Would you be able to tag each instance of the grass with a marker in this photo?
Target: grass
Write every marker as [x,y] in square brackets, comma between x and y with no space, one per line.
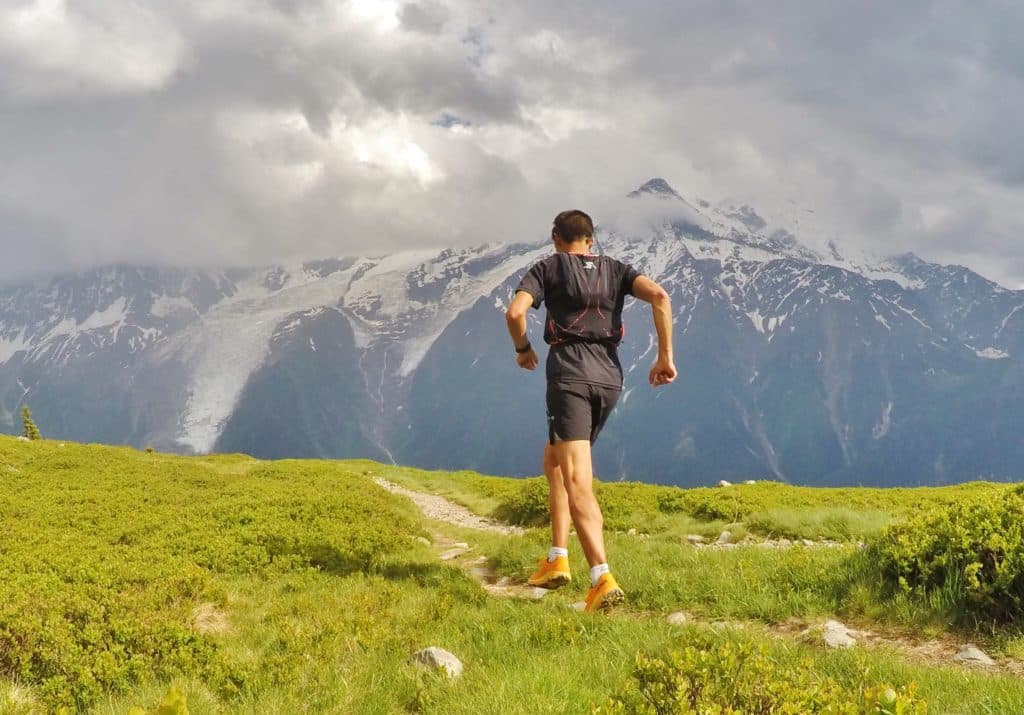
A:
[765,508]
[326,592]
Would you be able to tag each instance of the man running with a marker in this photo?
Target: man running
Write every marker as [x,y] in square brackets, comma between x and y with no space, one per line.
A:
[583,294]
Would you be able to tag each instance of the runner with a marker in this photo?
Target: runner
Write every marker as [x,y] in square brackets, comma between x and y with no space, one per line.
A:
[583,294]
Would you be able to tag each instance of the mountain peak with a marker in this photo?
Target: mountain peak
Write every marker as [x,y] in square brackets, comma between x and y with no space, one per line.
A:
[656,187]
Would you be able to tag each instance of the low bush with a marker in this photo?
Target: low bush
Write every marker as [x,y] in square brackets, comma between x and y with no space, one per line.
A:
[741,679]
[528,505]
[105,556]
[971,554]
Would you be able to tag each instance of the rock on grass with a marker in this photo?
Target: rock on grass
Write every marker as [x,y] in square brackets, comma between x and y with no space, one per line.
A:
[438,660]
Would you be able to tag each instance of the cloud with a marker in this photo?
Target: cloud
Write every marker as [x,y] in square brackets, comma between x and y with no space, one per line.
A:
[255,131]
[88,49]
[426,17]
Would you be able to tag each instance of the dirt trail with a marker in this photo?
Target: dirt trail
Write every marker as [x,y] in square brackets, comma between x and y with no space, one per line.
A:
[934,652]
[435,507]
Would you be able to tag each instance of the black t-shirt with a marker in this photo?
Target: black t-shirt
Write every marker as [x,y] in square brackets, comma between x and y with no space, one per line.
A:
[584,296]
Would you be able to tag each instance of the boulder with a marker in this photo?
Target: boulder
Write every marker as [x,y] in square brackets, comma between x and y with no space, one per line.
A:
[676,619]
[724,483]
[837,635]
[695,539]
[973,655]
[725,538]
[438,659]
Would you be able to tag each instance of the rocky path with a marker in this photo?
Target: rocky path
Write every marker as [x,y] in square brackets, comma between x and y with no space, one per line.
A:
[945,651]
[435,507]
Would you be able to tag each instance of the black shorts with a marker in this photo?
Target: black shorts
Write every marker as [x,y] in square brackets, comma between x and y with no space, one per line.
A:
[578,411]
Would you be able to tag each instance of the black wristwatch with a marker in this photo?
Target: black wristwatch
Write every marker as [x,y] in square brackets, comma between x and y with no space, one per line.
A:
[525,349]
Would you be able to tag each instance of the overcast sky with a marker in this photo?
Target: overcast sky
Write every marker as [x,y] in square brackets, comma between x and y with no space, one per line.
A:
[255,131]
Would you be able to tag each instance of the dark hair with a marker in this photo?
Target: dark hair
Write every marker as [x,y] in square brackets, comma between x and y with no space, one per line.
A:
[573,226]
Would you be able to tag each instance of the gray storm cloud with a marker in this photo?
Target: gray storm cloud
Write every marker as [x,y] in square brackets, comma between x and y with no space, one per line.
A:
[245,131]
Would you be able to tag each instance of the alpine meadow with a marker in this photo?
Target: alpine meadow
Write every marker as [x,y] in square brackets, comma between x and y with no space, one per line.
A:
[136,581]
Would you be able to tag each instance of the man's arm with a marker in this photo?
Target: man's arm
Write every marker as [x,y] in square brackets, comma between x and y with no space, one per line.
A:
[664,370]
[515,316]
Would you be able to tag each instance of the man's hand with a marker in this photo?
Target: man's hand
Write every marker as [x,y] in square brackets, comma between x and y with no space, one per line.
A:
[527,360]
[663,372]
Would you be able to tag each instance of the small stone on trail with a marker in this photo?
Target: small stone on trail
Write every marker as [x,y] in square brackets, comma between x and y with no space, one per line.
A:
[837,635]
[438,659]
[453,554]
[724,483]
[631,532]
[695,538]
[538,593]
[973,655]
[807,542]
[423,540]
[676,619]
[460,545]
[725,538]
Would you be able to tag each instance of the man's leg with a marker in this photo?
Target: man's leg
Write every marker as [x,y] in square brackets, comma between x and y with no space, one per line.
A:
[558,500]
[553,571]
[573,460]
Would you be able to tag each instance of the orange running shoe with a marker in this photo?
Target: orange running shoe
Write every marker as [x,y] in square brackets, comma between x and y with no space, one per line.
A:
[551,574]
[604,595]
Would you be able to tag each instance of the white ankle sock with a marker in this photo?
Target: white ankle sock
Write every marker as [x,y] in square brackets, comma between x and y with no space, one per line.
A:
[555,552]
[597,572]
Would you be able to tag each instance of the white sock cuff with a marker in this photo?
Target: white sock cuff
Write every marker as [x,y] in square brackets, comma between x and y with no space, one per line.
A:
[597,572]
[556,551]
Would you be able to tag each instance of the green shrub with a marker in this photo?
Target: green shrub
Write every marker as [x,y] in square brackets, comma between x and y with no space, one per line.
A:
[971,554]
[30,430]
[174,702]
[528,505]
[105,555]
[741,679]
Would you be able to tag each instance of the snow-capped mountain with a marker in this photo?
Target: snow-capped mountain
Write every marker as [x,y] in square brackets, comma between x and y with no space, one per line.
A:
[794,364]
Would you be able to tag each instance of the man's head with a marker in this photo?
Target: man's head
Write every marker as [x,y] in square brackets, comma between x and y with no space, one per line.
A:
[572,229]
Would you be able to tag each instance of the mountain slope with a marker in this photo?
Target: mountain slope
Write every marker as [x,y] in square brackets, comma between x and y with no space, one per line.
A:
[794,364]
